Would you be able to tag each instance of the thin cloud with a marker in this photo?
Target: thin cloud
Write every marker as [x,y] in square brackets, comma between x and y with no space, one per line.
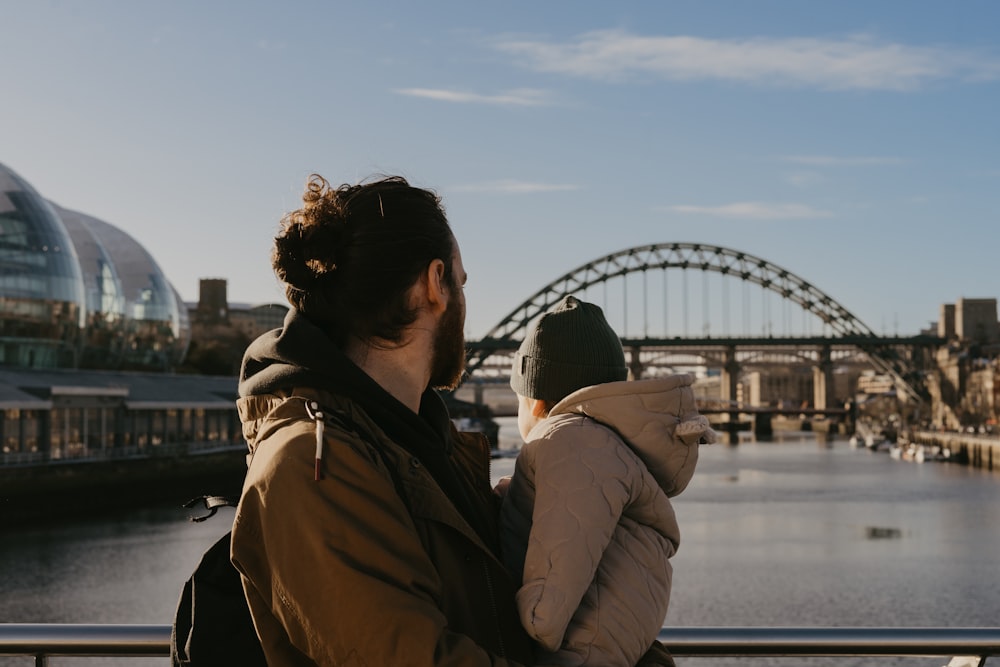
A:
[805,179]
[269,45]
[524,97]
[754,210]
[836,161]
[852,63]
[516,187]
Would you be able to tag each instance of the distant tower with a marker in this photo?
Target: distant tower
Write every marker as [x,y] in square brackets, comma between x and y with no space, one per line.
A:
[946,323]
[213,303]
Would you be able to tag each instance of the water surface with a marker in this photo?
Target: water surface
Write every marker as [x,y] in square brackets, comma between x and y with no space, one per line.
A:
[785,533]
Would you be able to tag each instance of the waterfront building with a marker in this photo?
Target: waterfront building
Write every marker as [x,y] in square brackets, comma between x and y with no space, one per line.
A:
[42,304]
[221,331]
[66,415]
[970,320]
[74,441]
[946,322]
[253,320]
[78,292]
[104,295]
[91,332]
[976,320]
[214,309]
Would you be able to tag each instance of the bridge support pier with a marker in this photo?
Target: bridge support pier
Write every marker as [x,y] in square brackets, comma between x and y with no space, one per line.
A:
[823,380]
[762,424]
[728,385]
[634,363]
[730,377]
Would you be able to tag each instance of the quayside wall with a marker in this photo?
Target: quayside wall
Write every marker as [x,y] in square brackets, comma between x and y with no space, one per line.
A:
[66,490]
[979,451]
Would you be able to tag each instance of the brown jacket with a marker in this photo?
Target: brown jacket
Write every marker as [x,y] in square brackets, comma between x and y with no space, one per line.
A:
[371,565]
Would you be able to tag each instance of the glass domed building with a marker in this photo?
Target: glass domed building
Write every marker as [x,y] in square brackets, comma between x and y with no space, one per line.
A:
[103,340]
[41,285]
[77,292]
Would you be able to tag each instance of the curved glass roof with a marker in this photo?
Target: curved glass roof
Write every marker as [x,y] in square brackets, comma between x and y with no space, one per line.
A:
[105,298]
[77,292]
[42,303]
[156,324]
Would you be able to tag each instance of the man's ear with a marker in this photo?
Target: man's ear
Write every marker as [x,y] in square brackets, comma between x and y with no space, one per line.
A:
[437,288]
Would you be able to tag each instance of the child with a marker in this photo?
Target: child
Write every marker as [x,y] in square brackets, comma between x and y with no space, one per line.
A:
[586,523]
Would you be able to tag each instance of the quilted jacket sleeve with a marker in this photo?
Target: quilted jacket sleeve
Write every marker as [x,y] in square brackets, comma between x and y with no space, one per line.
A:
[582,485]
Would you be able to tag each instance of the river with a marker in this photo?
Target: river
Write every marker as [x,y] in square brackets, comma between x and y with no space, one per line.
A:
[791,532]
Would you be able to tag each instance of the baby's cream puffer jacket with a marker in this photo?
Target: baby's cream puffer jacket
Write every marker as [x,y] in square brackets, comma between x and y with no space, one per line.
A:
[587,522]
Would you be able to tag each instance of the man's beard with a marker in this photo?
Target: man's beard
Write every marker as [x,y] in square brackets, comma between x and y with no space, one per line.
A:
[448,360]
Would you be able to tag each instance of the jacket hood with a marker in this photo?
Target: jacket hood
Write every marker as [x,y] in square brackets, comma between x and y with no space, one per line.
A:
[300,358]
[657,418]
[297,354]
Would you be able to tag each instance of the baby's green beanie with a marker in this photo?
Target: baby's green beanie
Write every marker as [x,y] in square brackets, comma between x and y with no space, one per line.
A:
[570,347]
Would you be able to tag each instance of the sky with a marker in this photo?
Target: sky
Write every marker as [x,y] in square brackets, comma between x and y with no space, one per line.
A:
[852,143]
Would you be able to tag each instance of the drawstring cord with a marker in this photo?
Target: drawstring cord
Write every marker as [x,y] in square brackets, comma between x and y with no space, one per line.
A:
[312,409]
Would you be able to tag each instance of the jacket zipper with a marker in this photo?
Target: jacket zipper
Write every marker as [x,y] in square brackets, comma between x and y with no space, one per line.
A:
[493,608]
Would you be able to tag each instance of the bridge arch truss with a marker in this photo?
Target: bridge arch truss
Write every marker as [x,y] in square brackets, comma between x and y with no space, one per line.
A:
[837,321]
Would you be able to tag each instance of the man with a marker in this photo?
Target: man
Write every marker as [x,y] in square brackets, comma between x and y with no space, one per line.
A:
[367,529]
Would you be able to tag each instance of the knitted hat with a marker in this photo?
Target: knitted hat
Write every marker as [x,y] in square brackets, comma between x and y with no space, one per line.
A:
[570,347]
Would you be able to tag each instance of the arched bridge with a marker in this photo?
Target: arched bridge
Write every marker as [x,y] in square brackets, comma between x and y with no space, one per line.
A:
[746,300]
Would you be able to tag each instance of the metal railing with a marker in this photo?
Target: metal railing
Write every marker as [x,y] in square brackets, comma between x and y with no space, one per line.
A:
[44,640]
[825,642]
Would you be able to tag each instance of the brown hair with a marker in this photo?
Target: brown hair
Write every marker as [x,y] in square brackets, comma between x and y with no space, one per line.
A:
[349,256]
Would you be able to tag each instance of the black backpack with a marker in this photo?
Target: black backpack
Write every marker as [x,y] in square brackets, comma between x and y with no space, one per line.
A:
[212,624]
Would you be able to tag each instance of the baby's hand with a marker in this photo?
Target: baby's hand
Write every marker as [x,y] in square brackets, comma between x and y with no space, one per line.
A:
[502,485]
[657,656]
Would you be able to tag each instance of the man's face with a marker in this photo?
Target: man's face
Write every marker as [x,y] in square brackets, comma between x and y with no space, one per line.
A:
[448,361]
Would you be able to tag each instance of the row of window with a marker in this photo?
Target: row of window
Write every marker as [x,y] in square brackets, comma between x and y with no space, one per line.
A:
[38,333]
[81,432]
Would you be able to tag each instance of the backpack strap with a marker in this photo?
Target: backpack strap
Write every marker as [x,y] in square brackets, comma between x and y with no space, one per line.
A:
[212,504]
